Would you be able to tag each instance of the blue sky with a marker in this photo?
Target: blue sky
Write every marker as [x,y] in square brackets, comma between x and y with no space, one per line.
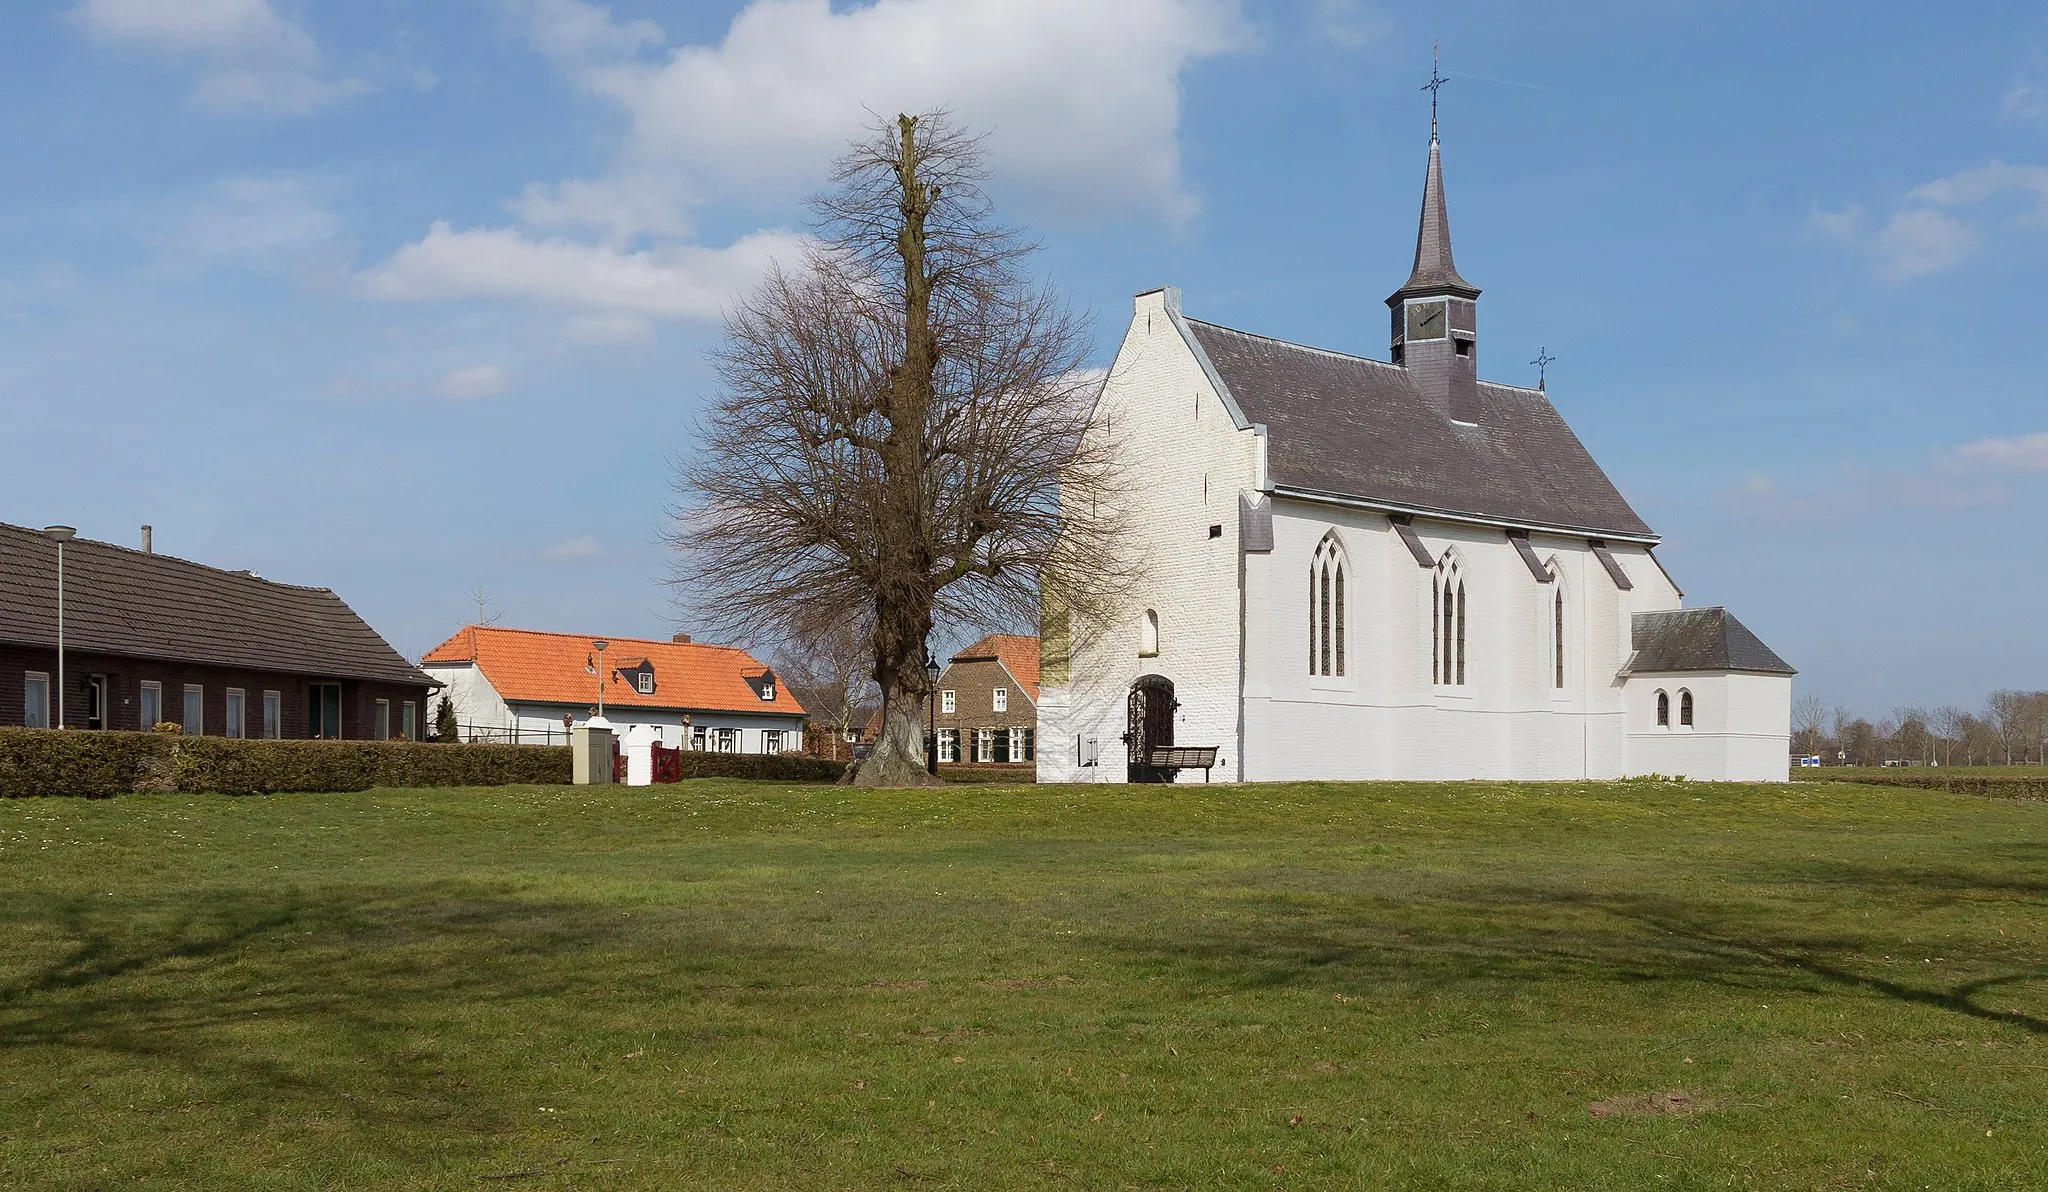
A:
[402,297]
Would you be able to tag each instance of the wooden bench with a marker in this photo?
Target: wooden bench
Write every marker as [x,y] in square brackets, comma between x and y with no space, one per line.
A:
[1185,757]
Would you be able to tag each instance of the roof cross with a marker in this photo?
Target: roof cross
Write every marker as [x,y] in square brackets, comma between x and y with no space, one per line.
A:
[1435,84]
[1543,362]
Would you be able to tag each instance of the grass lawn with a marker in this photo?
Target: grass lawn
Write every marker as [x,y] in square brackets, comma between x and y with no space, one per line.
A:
[733,985]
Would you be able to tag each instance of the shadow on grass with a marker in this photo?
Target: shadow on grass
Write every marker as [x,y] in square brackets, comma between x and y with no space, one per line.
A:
[1503,936]
[326,997]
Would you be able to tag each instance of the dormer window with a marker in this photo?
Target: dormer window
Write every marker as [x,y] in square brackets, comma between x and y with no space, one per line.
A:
[644,683]
[768,689]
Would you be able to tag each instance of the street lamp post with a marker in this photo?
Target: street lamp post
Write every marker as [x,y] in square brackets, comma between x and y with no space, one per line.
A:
[60,535]
[931,696]
[600,645]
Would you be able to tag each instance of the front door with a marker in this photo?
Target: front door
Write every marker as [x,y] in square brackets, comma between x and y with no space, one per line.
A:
[323,711]
[96,702]
[1150,726]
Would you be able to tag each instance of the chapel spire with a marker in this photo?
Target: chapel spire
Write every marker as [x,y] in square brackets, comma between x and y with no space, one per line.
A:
[1436,312]
[1434,272]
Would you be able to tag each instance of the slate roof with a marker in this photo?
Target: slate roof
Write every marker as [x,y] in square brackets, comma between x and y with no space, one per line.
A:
[1018,652]
[530,666]
[1698,639]
[1434,271]
[1346,426]
[126,603]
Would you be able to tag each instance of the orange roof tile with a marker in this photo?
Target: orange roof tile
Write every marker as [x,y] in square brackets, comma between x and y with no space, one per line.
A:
[1017,651]
[526,665]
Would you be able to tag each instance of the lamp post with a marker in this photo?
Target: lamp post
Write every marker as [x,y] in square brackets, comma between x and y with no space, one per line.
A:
[60,535]
[931,695]
[600,645]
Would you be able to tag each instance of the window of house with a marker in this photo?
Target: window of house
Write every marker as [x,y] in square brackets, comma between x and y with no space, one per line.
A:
[409,721]
[1663,710]
[999,747]
[697,738]
[1685,709]
[36,700]
[195,710]
[1447,604]
[1021,744]
[771,741]
[1148,635]
[645,683]
[767,690]
[946,702]
[273,715]
[728,740]
[984,744]
[1326,609]
[380,721]
[151,701]
[949,744]
[1002,699]
[238,713]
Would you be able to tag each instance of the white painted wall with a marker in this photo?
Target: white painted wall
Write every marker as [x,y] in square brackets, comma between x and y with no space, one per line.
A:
[1741,730]
[478,703]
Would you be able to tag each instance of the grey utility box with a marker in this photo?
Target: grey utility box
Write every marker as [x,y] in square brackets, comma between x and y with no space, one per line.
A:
[592,746]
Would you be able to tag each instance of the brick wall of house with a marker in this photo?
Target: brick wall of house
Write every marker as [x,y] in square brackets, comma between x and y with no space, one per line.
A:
[974,684]
[125,677]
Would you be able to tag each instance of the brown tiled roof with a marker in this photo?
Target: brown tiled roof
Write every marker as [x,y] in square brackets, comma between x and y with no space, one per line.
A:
[1018,652]
[126,603]
[1698,639]
[1345,426]
[529,666]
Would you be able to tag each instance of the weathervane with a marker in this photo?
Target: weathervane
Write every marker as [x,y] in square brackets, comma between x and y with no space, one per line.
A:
[1543,362]
[1435,84]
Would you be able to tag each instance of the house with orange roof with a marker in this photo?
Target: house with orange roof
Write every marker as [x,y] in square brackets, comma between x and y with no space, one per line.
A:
[526,685]
[988,703]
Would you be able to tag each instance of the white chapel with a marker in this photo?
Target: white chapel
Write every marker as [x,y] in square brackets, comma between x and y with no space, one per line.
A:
[1384,569]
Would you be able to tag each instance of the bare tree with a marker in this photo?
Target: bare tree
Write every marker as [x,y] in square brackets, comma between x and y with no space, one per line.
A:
[1946,722]
[2008,714]
[1809,715]
[1911,741]
[831,675]
[900,419]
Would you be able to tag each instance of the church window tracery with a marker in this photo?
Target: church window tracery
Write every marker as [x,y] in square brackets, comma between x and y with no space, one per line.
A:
[1447,606]
[1326,599]
[1685,709]
[1663,710]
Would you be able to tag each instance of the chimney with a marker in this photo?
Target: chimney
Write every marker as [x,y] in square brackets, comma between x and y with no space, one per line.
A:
[681,639]
[149,540]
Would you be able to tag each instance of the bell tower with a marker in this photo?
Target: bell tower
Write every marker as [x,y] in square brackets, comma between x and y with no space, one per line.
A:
[1436,312]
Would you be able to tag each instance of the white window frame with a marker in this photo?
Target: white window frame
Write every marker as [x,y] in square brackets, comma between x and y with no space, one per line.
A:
[949,745]
[700,739]
[771,740]
[29,682]
[273,715]
[380,720]
[727,740]
[644,683]
[768,690]
[946,702]
[194,726]
[1002,699]
[1018,750]
[237,725]
[984,744]
[150,687]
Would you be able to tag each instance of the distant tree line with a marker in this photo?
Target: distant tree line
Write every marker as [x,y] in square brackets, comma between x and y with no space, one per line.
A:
[2010,729]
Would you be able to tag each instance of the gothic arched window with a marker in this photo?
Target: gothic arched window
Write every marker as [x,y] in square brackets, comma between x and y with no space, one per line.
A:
[1148,634]
[1685,709]
[1663,710]
[1556,626]
[1447,607]
[1326,645]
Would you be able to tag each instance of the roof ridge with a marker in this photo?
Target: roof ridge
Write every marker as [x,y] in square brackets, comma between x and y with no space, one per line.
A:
[1291,344]
[587,637]
[241,572]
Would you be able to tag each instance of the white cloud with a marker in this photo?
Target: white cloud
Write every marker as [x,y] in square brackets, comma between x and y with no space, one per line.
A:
[585,547]
[1351,24]
[674,281]
[2027,101]
[1081,100]
[1972,476]
[1925,234]
[260,219]
[251,56]
[475,380]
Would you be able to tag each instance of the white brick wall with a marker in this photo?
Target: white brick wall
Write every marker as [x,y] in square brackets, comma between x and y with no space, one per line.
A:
[1234,628]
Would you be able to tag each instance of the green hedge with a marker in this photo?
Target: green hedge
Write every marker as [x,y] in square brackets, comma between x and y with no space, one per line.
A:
[984,772]
[2015,786]
[781,767]
[100,764]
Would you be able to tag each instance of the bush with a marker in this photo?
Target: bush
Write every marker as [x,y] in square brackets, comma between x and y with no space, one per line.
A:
[99,764]
[2002,786]
[780,767]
